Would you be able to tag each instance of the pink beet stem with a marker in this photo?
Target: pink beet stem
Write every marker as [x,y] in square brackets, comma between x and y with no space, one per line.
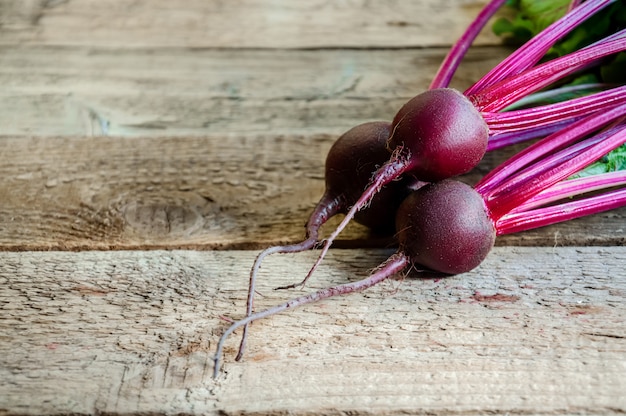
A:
[459,49]
[508,196]
[548,145]
[500,140]
[553,93]
[327,207]
[394,264]
[544,115]
[572,187]
[541,217]
[544,165]
[532,51]
[512,89]
[548,162]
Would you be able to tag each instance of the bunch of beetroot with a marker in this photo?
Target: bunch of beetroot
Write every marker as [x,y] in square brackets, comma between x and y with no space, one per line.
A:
[396,177]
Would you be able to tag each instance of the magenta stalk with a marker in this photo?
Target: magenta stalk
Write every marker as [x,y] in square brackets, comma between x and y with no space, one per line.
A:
[451,62]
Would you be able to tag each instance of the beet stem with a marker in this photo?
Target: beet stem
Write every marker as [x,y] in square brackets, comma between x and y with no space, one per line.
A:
[511,89]
[541,217]
[500,140]
[459,49]
[548,162]
[552,113]
[394,264]
[573,187]
[514,132]
[553,93]
[548,145]
[507,198]
[532,51]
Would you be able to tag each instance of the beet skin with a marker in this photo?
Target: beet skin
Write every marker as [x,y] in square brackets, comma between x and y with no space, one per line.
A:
[445,227]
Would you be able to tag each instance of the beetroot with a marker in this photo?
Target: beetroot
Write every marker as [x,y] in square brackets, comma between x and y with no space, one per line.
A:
[442,134]
[445,226]
[350,164]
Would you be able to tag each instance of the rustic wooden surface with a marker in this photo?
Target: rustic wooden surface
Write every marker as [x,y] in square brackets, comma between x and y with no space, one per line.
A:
[133,332]
[149,149]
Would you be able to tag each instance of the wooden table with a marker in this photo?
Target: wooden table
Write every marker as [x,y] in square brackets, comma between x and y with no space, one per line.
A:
[150,148]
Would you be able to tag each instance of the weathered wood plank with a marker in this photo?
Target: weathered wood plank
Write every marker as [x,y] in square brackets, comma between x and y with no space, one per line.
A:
[216,192]
[532,330]
[50,91]
[238,23]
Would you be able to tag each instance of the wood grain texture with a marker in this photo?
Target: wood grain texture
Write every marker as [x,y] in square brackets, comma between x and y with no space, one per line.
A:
[218,192]
[238,23]
[532,330]
[130,129]
[88,91]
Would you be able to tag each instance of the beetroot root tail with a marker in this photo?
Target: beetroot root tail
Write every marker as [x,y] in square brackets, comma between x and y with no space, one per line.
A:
[393,169]
[307,244]
[394,264]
